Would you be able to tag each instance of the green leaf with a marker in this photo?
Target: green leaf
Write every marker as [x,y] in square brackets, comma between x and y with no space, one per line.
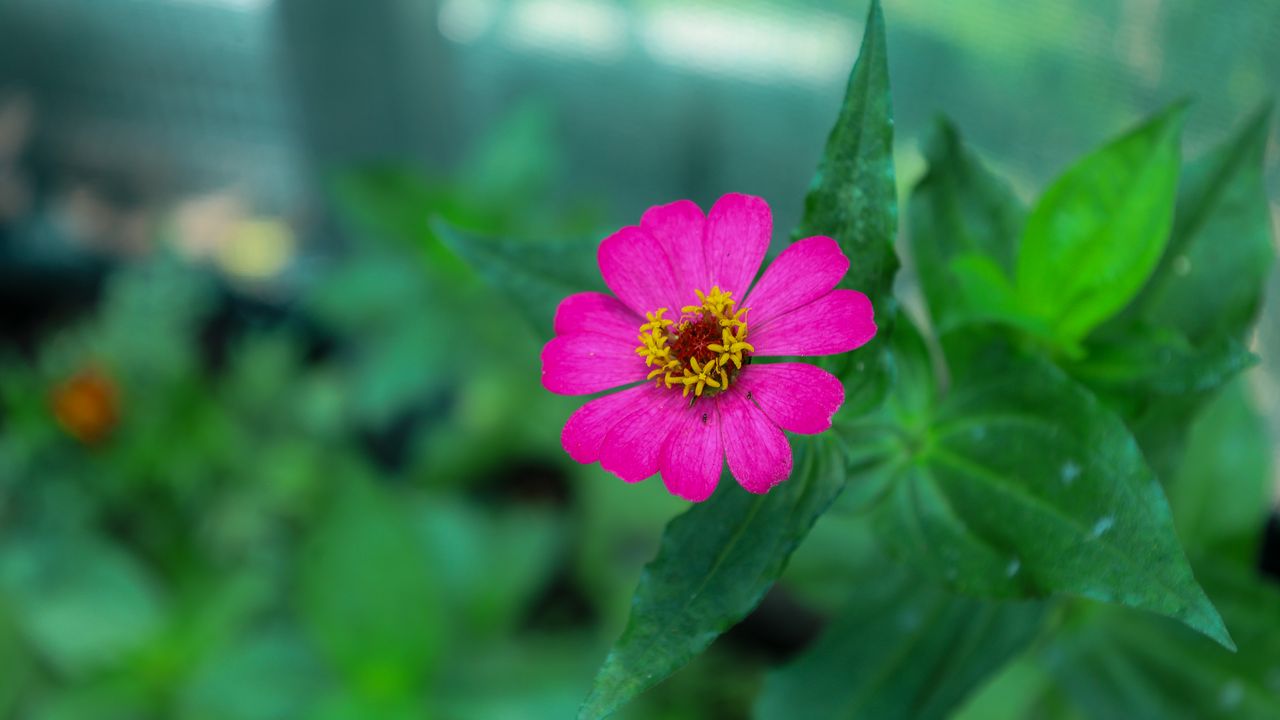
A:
[715,564]
[854,199]
[903,648]
[1211,278]
[82,603]
[368,597]
[534,276]
[959,208]
[1115,664]
[1097,233]
[1222,488]
[1019,483]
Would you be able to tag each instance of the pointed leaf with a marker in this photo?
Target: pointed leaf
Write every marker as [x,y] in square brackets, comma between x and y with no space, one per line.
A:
[1098,231]
[854,199]
[716,562]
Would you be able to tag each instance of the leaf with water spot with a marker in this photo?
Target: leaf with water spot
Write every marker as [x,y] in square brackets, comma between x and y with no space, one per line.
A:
[1020,483]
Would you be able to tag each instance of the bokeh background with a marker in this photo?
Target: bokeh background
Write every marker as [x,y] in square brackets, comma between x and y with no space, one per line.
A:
[268,450]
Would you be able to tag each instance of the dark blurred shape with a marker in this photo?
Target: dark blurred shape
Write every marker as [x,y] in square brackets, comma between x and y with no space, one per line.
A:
[1269,554]
[778,629]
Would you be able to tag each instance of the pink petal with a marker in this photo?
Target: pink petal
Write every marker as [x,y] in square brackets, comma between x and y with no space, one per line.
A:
[630,450]
[598,313]
[585,363]
[837,322]
[758,453]
[584,433]
[738,231]
[796,396]
[635,267]
[680,227]
[692,455]
[803,273]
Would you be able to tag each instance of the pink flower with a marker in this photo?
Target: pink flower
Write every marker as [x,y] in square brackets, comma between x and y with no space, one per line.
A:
[684,333]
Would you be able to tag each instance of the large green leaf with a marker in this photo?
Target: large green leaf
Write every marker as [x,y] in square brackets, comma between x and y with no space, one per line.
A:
[903,648]
[1211,277]
[958,208]
[369,598]
[1020,483]
[854,199]
[715,564]
[1114,664]
[1098,231]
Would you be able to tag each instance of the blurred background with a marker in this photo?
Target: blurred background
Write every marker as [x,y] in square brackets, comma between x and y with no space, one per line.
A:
[241,381]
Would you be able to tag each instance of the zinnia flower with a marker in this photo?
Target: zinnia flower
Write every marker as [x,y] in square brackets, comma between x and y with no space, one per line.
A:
[685,332]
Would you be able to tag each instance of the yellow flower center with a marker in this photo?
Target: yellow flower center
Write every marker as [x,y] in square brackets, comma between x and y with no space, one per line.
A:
[704,348]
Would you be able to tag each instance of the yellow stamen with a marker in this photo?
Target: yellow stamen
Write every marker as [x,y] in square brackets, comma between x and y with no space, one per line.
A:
[694,364]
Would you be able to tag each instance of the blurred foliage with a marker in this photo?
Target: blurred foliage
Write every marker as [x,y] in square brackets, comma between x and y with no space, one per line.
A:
[264,525]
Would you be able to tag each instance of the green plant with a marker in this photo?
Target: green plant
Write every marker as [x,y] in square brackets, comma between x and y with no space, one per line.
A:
[1014,449]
